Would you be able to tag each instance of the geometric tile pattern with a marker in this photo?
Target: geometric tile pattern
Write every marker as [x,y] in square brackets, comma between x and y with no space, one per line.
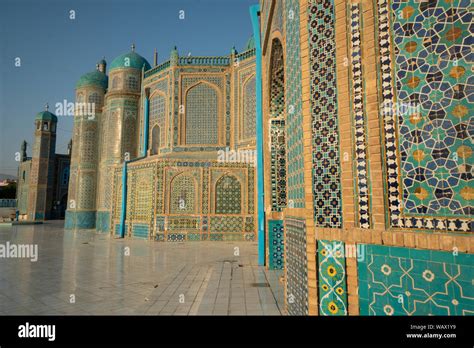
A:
[332,278]
[404,281]
[202,115]
[277,83]
[426,93]
[277,127]
[183,195]
[359,117]
[228,195]
[293,99]
[296,266]
[226,224]
[325,133]
[275,244]
[278,167]
[249,111]
[157,117]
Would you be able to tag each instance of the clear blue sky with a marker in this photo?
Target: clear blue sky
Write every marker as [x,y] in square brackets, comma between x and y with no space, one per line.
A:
[55,51]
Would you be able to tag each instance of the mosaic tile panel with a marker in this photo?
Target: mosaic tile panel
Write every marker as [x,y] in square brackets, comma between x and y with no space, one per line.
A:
[278,166]
[226,224]
[140,231]
[183,195]
[426,91]
[241,75]
[332,278]
[249,224]
[293,99]
[296,267]
[176,237]
[183,223]
[157,118]
[326,157]
[202,100]
[205,191]
[277,81]
[228,195]
[249,109]
[222,82]
[359,118]
[251,190]
[275,244]
[403,281]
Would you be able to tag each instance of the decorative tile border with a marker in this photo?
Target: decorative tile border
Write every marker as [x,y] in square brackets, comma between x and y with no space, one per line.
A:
[392,156]
[278,164]
[326,158]
[332,278]
[293,98]
[296,267]
[404,281]
[359,117]
[275,244]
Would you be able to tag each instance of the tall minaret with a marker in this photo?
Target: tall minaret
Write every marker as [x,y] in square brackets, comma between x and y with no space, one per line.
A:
[90,94]
[119,138]
[40,197]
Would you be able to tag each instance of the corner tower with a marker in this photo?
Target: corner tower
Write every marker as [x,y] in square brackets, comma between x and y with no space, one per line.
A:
[119,140]
[90,93]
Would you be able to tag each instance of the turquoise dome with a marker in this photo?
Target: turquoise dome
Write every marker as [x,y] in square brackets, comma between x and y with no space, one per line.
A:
[135,60]
[46,116]
[250,44]
[94,78]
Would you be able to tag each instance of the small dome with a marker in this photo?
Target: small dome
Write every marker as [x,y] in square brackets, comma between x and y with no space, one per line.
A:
[94,78]
[134,61]
[250,44]
[46,116]
[102,61]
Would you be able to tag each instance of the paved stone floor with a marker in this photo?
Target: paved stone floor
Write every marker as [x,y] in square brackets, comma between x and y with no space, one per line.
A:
[88,273]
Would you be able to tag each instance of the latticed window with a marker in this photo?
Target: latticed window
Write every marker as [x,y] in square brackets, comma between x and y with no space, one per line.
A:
[228,195]
[157,117]
[183,195]
[249,121]
[201,115]
[94,98]
[132,82]
[116,82]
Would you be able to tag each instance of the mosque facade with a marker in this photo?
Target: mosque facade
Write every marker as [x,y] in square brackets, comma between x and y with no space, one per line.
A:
[367,153]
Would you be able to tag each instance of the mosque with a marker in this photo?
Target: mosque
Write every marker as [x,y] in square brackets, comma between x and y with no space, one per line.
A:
[366,145]
[147,164]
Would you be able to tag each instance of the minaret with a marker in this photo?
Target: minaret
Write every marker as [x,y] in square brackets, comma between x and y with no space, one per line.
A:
[119,138]
[40,197]
[88,116]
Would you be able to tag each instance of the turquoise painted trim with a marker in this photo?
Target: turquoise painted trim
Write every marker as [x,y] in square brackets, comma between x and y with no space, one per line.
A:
[145,125]
[254,14]
[124,200]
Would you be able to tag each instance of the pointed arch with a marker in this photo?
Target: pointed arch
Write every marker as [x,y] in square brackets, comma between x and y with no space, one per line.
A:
[183,194]
[228,195]
[249,110]
[202,114]
[158,112]
[155,140]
